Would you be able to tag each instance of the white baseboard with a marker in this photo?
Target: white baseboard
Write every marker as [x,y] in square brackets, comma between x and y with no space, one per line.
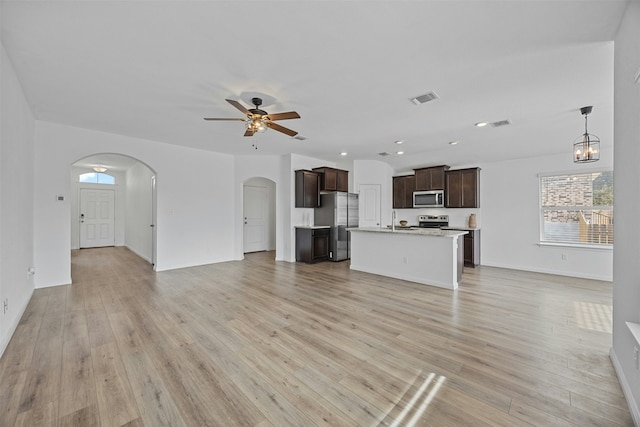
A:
[633,406]
[548,271]
[139,254]
[14,325]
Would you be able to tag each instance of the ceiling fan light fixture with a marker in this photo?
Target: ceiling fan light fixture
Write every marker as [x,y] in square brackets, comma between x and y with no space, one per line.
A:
[257,124]
[258,120]
[586,148]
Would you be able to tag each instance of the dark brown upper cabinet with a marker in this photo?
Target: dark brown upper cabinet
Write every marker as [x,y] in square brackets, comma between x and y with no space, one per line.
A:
[403,191]
[462,188]
[332,179]
[307,189]
[431,178]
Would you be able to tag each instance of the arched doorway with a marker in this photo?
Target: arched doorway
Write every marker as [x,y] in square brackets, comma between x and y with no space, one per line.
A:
[259,215]
[113,204]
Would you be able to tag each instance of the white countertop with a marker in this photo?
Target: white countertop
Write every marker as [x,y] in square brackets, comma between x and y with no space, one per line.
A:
[418,231]
[452,227]
[312,227]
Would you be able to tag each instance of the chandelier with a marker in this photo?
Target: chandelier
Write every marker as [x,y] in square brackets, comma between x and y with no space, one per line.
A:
[586,148]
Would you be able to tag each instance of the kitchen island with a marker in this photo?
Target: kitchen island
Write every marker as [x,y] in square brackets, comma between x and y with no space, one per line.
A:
[427,256]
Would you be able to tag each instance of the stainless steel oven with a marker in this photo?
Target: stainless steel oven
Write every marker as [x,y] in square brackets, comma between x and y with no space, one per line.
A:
[433,221]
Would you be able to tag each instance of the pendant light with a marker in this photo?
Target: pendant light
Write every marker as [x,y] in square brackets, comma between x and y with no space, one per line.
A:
[586,147]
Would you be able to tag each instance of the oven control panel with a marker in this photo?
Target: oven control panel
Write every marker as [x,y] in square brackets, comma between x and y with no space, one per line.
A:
[433,221]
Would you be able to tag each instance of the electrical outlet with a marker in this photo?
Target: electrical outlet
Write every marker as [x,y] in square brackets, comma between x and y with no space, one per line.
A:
[5,306]
[564,257]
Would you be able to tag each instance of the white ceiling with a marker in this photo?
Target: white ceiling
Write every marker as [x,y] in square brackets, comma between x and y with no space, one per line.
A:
[153,70]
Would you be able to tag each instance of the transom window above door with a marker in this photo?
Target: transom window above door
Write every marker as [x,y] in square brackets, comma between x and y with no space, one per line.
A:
[97,178]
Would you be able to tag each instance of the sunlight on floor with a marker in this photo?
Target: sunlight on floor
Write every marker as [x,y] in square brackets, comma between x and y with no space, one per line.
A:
[418,403]
[595,317]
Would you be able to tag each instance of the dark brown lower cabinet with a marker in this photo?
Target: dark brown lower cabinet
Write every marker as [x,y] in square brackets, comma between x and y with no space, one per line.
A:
[312,244]
[471,245]
[472,248]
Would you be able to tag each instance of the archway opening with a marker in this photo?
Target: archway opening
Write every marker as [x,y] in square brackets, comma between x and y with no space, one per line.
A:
[113,203]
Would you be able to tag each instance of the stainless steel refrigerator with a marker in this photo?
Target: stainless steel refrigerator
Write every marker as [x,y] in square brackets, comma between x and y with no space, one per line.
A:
[338,210]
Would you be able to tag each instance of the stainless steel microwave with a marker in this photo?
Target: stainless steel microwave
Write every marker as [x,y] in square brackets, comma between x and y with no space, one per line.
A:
[428,199]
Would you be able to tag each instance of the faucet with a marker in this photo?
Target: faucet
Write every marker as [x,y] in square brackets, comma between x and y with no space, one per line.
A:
[393,220]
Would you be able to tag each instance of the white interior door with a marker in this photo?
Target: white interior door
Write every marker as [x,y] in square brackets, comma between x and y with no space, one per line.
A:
[97,218]
[256,221]
[369,202]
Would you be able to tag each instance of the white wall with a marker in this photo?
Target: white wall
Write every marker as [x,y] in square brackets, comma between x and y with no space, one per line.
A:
[626,271]
[193,197]
[16,201]
[138,210]
[74,204]
[509,202]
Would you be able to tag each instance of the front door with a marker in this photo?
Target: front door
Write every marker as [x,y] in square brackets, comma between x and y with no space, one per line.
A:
[369,203]
[97,218]
[256,203]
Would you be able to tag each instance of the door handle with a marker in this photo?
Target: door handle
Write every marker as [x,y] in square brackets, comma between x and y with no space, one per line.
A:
[152,225]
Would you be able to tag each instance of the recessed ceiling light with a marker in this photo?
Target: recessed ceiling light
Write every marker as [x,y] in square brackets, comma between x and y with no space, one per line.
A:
[399,142]
[399,153]
[481,124]
[344,153]
[453,142]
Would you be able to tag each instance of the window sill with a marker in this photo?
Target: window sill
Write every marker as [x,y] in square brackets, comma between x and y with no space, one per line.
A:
[577,246]
[635,331]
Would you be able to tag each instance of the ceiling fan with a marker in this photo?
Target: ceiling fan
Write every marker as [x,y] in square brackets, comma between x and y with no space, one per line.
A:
[259,120]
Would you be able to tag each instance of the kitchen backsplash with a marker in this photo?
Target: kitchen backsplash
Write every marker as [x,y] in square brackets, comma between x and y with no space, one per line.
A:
[457,217]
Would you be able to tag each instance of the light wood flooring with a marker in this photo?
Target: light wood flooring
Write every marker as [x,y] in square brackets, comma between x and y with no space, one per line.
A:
[265,343]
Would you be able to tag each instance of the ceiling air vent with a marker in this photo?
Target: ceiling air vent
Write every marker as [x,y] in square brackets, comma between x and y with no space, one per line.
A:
[421,99]
[383,154]
[500,123]
[300,137]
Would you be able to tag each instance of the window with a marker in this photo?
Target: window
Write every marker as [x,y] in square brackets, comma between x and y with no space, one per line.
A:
[97,178]
[577,209]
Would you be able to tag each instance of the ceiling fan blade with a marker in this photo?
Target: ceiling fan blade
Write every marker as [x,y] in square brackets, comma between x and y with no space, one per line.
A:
[238,106]
[284,116]
[249,132]
[215,118]
[282,129]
